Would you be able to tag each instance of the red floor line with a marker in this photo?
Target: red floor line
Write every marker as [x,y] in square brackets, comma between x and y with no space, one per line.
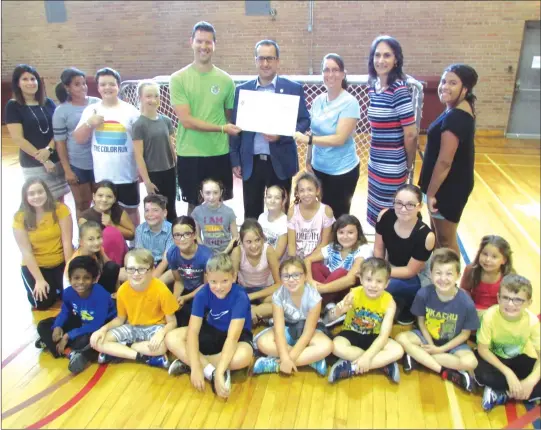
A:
[525,419]
[37,396]
[72,402]
[511,412]
[15,353]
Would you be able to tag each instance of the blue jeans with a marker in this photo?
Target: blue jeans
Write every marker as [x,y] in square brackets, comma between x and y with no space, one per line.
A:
[404,289]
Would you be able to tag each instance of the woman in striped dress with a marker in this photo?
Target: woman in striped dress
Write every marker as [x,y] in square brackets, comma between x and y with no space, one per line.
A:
[392,120]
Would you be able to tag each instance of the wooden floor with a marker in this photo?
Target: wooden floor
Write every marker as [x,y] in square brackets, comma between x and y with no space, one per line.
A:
[39,392]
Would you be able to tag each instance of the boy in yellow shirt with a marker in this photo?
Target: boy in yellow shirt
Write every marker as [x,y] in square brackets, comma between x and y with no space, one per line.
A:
[145,314]
[364,343]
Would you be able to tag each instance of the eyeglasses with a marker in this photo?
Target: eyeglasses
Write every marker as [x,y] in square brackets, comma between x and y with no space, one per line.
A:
[267,59]
[409,206]
[517,301]
[291,276]
[182,235]
[138,270]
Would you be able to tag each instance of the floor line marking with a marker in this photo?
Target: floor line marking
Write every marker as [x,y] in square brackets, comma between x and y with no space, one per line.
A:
[528,418]
[510,215]
[38,396]
[512,181]
[456,415]
[73,401]
[15,353]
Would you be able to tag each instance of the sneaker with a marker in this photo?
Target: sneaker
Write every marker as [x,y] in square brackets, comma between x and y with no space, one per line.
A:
[408,363]
[106,358]
[39,344]
[266,365]
[329,323]
[493,398]
[177,367]
[78,362]
[227,378]
[340,370]
[392,372]
[458,377]
[405,318]
[329,306]
[158,361]
[320,367]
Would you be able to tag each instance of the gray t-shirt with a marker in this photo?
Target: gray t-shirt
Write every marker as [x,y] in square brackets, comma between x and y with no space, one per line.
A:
[215,225]
[292,314]
[445,320]
[156,144]
[65,120]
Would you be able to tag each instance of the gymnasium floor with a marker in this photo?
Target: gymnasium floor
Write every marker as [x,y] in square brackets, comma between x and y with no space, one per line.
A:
[39,392]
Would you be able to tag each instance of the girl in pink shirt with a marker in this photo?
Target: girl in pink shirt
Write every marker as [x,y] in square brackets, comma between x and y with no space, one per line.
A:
[309,221]
[257,266]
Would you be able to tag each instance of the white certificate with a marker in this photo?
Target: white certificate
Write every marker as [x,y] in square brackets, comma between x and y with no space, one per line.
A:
[269,113]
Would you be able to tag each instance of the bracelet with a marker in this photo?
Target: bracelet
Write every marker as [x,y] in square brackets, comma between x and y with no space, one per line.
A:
[310,140]
[222,129]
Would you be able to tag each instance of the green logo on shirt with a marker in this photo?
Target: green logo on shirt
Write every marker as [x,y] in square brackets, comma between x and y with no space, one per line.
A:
[215,89]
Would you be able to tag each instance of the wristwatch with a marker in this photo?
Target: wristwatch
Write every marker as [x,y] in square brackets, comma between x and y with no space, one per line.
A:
[51,150]
[310,140]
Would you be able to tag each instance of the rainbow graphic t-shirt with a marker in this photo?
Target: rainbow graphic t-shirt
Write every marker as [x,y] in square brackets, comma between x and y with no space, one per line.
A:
[112,145]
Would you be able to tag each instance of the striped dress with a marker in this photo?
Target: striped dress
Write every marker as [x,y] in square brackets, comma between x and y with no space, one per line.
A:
[388,112]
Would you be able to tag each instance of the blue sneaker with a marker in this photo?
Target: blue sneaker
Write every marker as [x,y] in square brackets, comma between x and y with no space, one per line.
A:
[266,365]
[392,372]
[106,358]
[320,366]
[340,370]
[493,398]
[159,361]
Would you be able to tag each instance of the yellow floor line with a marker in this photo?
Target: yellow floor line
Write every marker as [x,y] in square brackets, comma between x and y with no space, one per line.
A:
[510,215]
[510,179]
[456,415]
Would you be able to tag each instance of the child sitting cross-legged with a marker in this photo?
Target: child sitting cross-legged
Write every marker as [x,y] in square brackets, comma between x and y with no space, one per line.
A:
[508,346]
[446,316]
[146,313]
[364,343]
[86,306]
[218,337]
[295,339]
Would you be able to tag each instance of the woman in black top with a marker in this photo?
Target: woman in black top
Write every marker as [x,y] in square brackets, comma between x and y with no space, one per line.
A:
[29,121]
[408,243]
[447,173]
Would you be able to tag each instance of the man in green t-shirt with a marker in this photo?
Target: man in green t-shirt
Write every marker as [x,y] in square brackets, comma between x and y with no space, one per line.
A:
[202,96]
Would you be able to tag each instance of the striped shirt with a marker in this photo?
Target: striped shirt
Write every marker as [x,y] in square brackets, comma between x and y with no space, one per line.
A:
[333,258]
[157,243]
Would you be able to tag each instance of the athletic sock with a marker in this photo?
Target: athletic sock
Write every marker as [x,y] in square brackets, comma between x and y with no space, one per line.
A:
[208,371]
[141,358]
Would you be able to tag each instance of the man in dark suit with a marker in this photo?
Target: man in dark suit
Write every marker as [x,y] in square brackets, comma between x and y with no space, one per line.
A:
[259,159]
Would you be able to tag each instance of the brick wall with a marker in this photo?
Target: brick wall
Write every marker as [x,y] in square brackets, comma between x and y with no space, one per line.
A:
[146,39]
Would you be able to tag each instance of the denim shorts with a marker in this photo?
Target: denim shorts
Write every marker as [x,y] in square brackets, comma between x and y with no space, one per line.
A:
[84,176]
[436,215]
[462,347]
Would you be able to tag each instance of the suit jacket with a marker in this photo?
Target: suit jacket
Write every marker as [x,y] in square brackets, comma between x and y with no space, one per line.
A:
[283,152]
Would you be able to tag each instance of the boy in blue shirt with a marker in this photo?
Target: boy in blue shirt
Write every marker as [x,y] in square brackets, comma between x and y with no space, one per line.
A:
[86,306]
[211,346]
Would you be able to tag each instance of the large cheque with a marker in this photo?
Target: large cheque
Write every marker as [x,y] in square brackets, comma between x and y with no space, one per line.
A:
[268,113]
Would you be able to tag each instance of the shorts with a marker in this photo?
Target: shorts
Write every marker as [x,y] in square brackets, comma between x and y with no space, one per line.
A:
[462,347]
[436,215]
[191,171]
[84,176]
[292,332]
[211,340]
[250,290]
[363,341]
[128,333]
[128,195]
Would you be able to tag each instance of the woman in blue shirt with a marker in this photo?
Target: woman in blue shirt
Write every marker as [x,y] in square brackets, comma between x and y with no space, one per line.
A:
[332,155]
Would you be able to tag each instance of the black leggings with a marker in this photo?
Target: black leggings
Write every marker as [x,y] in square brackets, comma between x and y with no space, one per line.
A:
[45,331]
[338,190]
[109,276]
[521,365]
[166,181]
[53,276]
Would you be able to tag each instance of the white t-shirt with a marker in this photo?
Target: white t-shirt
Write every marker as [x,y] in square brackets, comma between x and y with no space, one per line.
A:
[112,145]
[273,230]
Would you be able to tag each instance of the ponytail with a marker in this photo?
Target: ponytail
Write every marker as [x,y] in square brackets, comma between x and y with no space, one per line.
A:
[61,92]
[471,99]
[345,83]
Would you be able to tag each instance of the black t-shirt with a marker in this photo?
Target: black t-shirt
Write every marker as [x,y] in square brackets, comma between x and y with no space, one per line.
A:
[456,188]
[22,114]
[401,250]
[92,214]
